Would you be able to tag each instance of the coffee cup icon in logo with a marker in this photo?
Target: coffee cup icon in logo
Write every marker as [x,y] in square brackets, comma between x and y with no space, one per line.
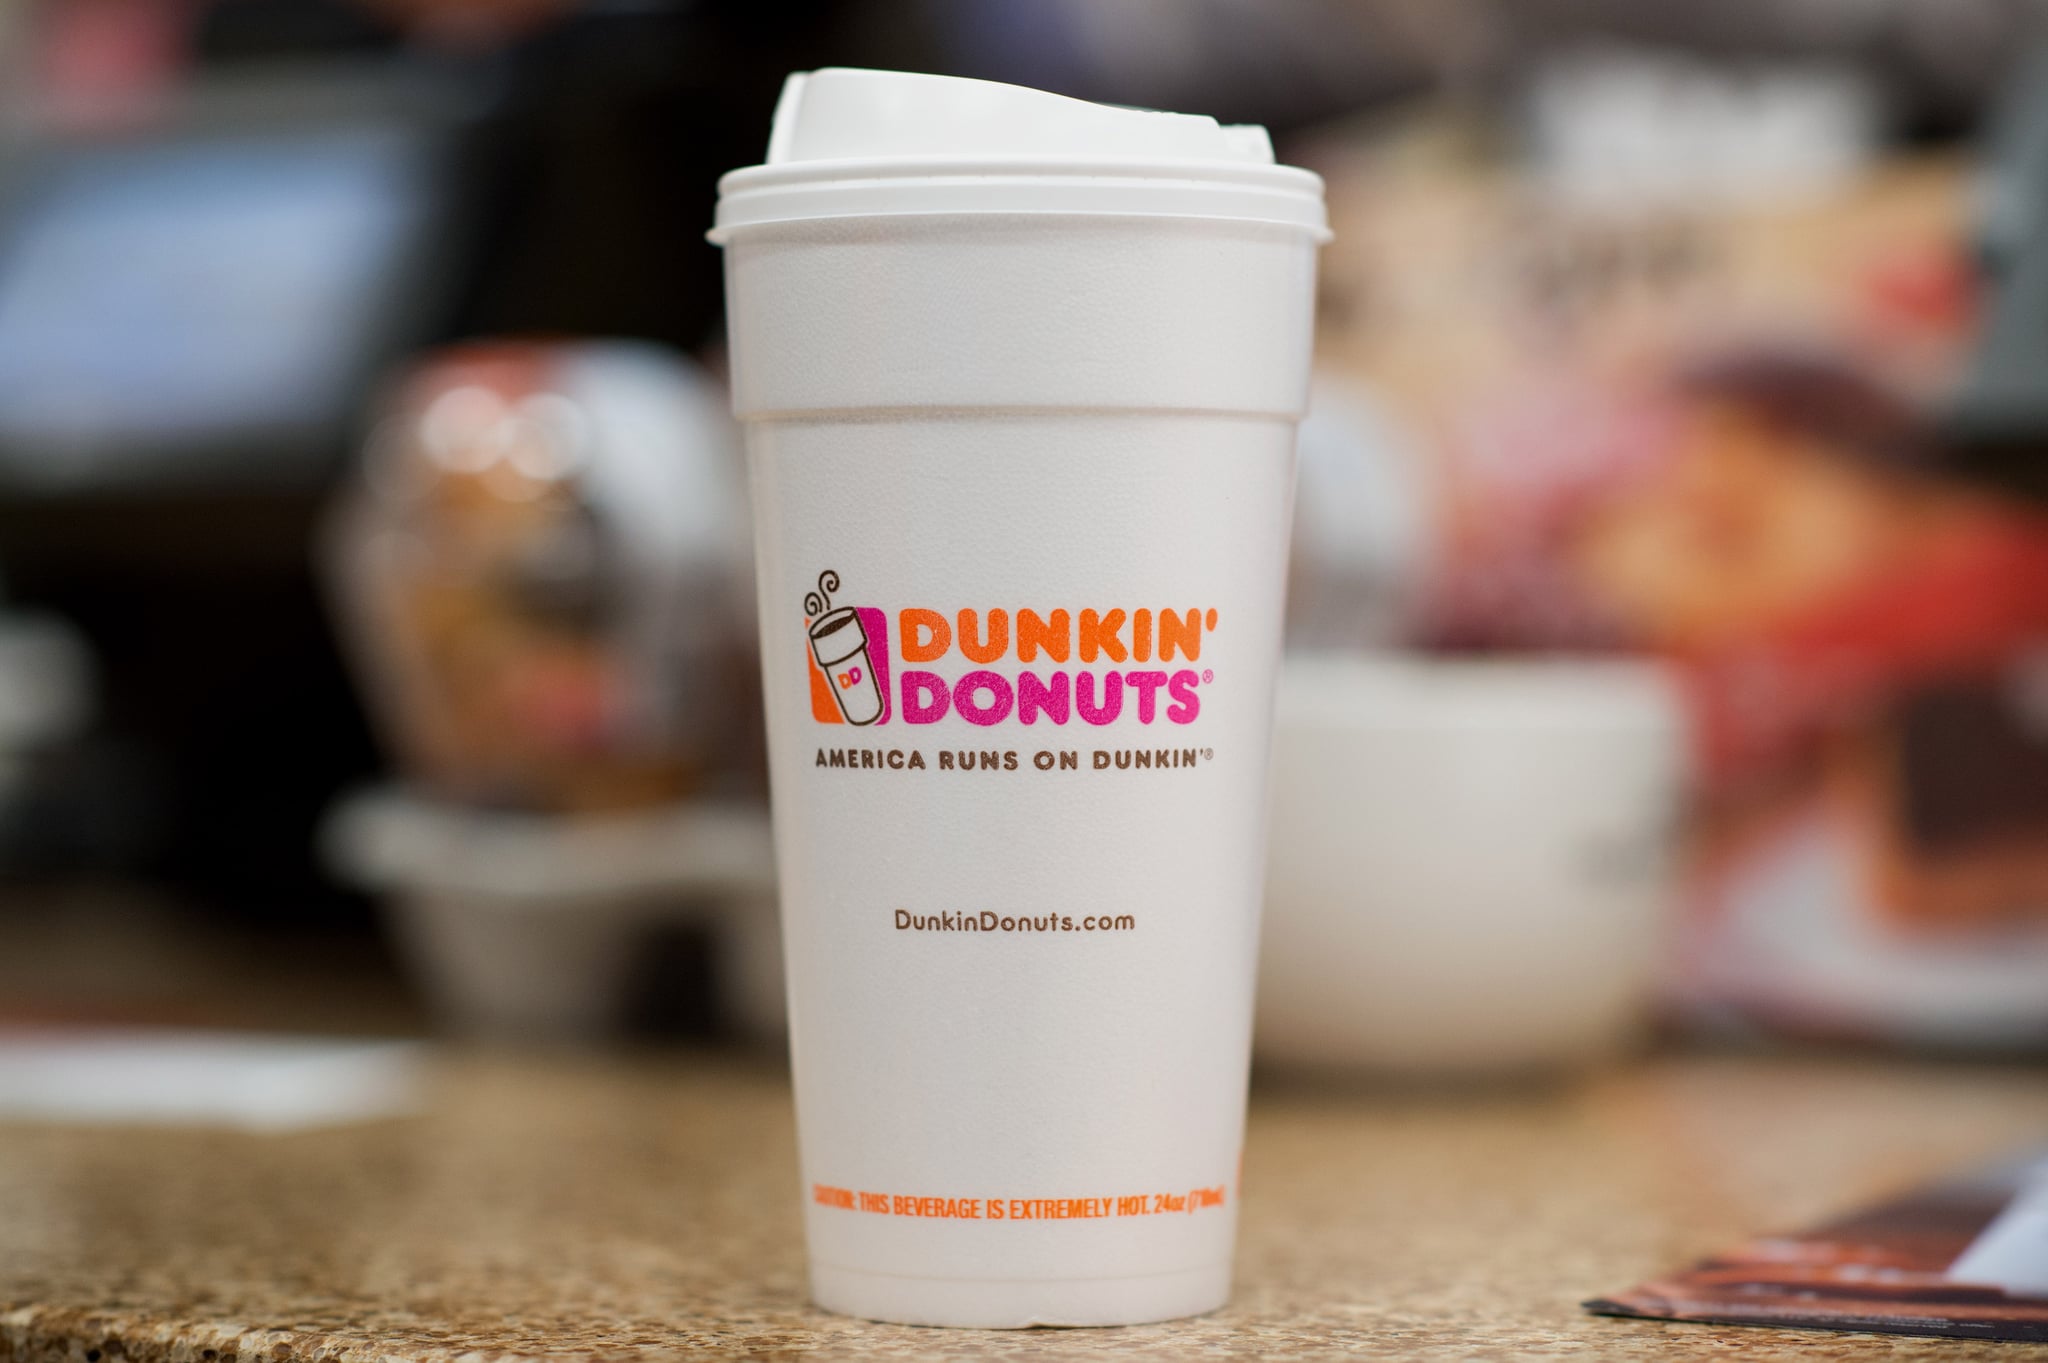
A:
[840,644]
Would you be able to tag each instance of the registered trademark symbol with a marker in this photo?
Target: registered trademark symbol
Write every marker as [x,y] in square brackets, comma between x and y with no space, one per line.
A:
[1208,754]
[1208,675]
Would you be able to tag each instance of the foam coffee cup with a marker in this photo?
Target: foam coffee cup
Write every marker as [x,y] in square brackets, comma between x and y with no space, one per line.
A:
[1020,377]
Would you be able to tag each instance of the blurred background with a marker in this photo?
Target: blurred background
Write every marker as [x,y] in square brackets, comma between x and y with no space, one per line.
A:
[1669,617]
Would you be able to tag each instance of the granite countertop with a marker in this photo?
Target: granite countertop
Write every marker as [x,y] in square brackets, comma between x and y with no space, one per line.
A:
[636,1210]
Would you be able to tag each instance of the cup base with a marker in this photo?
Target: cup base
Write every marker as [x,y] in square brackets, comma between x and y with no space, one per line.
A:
[1019,1303]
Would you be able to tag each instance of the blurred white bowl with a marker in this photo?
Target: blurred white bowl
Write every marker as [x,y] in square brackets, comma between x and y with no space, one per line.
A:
[1469,867]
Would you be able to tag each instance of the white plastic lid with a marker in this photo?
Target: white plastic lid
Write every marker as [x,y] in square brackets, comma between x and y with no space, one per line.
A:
[851,143]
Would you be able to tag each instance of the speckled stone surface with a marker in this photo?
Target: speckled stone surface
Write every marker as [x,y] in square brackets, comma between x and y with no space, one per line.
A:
[648,1210]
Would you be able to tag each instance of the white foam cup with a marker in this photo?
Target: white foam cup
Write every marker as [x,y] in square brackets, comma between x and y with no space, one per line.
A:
[1020,377]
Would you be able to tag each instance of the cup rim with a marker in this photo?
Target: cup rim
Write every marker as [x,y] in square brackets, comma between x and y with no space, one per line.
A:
[834,620]
[1283,197]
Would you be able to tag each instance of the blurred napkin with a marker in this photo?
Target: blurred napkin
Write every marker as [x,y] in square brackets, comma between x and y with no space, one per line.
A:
[250,1081]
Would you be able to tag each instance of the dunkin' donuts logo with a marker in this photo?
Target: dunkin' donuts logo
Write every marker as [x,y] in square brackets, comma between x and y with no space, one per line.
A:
[849,658]
[993,665]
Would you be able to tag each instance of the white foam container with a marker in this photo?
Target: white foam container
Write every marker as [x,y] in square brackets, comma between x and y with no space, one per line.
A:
[995,349]
[527,926]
